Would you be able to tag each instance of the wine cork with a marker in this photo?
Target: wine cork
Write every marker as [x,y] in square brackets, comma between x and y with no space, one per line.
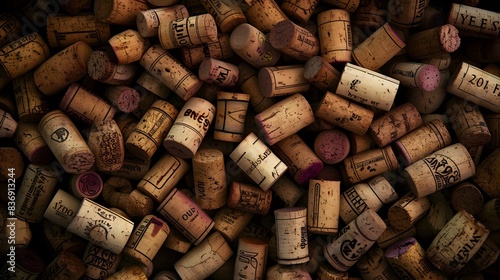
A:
[334,31]
[203,260]
[392,235]
[467,122]
[373,194]
[115,190]
[378,48]
[466,196]
[487,177]
[105,140]
[227,14]
[190,31]
[264,14]
[323,206]
[331,146]
[186,216]
[31,103]
[252,45]
[485,257]
[9,25]
[367,87]
[220,49]
[166,68]
[427,102]
[63,68]
[231,222]
[190,127]
[433,222]
[426,139]
[66,142]
[431,42]
[119,12]
[415,75]
[148,21]
[344,113]
[87,184]
[124,98]
[231,114]
[258,161]
[248,83]
[62,208]
[321,74]
[27,265]
[21,56]
[66,264]
[217,72]
[133,168]
[65,30]
[407,258]
[476,86]
[280,121]
[406,14]
[360,143]
[473,21]
[249,198]
[370,15]
[441,169]
[368,164]
[149,133]
[103,68]
[8,124]
[209,179]
[357,237]
[299,11]
[408,210]
[128,46]
[348,5]
[30,142]
[177,241]
[85,106]
[60,239]
[291,235]
[132,271]
[374,265]
[252,258]
[293,40]
[282,80]
[303,162]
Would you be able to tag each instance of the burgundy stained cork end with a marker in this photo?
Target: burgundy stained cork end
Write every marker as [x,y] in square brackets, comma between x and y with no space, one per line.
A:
[449,38]
[310,172]
[89,184]
[429,77]
[41,155]
[332,146]
[401,153]
[128,100]
[281,34]
[400,247]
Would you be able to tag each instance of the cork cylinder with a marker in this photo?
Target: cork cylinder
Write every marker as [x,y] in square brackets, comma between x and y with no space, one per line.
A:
[190,31]
[63,68]
[227,14]
[29,140]
[249,198]
[166,68]
[323,206]
[65,30]
[186,216]
[415,75]
[282,80]
[230,118]
[209,176]
[219,49]
[468,197]
[432,42]
[128,46]
[163,176]
[487,176]
[252,258]
[148,21]
[378,48]
[294,40]
[367,164]
[123,98]
[116,189]
[249,84]
[66,265]
[357,237]
[468,122]
[149,133]
[321,74]
[66,142]
[265,14]
[177,241]
[408,210]
[360,143]
[203,260]
[462,17]
[334,32]
[86,184]
[374,265]
[258,161]
[373,194]
[62,208]
[407,13]
[485,257]
[103,67]
[291,235]
[332,146]
[105,140]
[119,12]
[8,125]
[31,103]
[441,169]
[218,72]
[190,127]
[231,222]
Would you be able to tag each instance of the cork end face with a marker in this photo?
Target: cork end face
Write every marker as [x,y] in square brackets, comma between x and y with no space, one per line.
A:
[128,101]
[41,155]
[311,172]
[137,151]
[178,149]
[281,34]
[449,38]
[265,81]
[402,154]
[399,218]
[429,78]
[78,162]
[312,67]
[332,146]
[241,35]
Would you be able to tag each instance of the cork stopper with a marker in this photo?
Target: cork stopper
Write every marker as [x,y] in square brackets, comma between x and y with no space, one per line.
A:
[392,235]
[87,184]
[124,98]
[431,42]
[231,114]
[231,222]
[64,30]
[323,206]
[282,80]
[468,197]
[32,105]
[321,74]
[249,198]
[119,12]
[257,249]
[153,85]
[368,164]
[209,178]
[291,235]
[334,31]
[148,21]
[62,208]
[105,140]
[228,14]
[294,41]
[407,211]
[189,31]
[177,241]
[265,14]
[466,27]
[218,72]
[102,67]
[128,46]
[30,142]
[373,263]
[486,176]
[332,146]
[8,125]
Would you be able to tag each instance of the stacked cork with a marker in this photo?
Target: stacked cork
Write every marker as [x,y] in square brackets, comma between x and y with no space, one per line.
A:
[257,139]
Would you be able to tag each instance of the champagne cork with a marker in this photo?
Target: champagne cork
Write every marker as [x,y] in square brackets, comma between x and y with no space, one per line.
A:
[227,14]
[291,235]
[344,113]
[258,161]
[218,72]
[370,15]
[62,208]
[249,198]
[60,239]
[124,98]
[321,74]
[407,258]
[166,68]
[485,257]
[368,164]
[476,86]
[433,222]
[355,239]
[149,133]
[219,49]
[119,12]
[323,206]
[460,238]
[293,40]
[63,68]
[408,210]
[66,265]
[473,21]
[282,80]
[203,260]
[85,106]
[9,25]
[8,125]
[148,21]
[264,14]
[190,31]
[426,139]
[441,169]
[467,122]
[132,271]
[106,142]
[373,194]
[252,258]
[378,48]
[360,143]
[133,168]
[87,184]
[231,114]
[415,75]
[431,42]
[334,31]
[389,127]
[209,179]
[248,83]
[367,87]
[177,241]
[468,197]
[153,85]
[65,30]
[147,239]
[392,235]
[66,142]
[27,265]
[30,142]
[251,44]
[31,103]
[21,56]
[406,14]
[34,194]
[186,216]
[231,222]
[332,146]
[288,191]
[190,127]
[103,68]
[128,46]
[487,176]
[374,265]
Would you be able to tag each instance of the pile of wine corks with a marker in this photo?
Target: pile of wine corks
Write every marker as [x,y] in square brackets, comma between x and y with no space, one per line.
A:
[256,139]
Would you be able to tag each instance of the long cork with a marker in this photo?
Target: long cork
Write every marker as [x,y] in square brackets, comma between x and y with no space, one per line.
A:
[473,21]
[323,206]
[190,31]
[432,42]
[124,98]
[368,164]
[218,72]
[334,31]
[65,30]
[294,41]
[128,46]
[219,49]
[282,80]
[209,179]
[231,114]
[291,235]
[251,251]
[249,198]
[231,222]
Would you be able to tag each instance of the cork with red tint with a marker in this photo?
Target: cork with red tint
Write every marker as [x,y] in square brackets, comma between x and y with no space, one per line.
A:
[332,146]
[294,41]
